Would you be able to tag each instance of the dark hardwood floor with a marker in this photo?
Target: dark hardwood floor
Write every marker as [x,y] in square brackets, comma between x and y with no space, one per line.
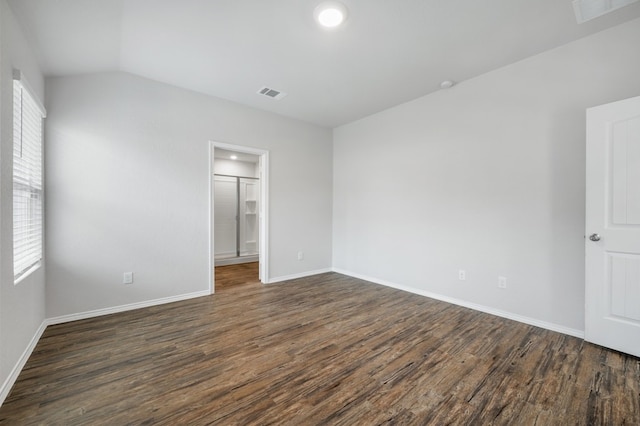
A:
[327,349]
[230,276]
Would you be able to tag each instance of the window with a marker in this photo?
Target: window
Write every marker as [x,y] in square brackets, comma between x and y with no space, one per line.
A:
[27,179]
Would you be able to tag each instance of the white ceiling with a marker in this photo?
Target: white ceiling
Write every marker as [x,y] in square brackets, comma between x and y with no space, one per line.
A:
[389,51]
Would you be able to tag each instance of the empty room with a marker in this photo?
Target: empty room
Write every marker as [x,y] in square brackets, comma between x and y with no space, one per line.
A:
[307,212]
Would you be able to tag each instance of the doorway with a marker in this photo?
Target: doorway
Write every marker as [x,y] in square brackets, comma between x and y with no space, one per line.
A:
[238,182]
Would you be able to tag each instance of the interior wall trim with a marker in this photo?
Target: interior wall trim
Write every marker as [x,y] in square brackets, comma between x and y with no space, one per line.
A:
[300,275]
[15,372]
[124,308]
[465,304]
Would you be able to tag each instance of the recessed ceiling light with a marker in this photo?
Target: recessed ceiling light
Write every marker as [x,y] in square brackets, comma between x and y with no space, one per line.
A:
[446,84]
[234,157]
[330,14]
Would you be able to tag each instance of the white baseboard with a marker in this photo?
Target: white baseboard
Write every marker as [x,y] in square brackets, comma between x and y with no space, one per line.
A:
[476,307]
[15,372]
[237,260]
[123,308]
[300,275]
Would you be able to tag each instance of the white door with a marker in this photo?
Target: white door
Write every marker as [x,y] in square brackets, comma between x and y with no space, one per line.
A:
[613,226]
[226,213]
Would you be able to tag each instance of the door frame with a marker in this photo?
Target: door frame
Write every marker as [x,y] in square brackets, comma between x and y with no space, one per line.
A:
[263,221]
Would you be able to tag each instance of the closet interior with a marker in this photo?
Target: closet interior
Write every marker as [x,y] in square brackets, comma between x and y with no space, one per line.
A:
[236,208]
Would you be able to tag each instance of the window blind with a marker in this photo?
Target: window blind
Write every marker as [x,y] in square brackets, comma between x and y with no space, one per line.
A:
[28,115]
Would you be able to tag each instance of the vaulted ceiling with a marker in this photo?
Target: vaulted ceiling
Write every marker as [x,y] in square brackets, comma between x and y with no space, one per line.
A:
[388,51]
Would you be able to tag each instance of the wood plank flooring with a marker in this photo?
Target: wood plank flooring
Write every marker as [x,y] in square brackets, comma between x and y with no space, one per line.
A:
[234,275]
[327,349]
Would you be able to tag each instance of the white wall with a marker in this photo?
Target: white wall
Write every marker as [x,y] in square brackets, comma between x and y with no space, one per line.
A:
[235,168]
[22,309]
[488,177]
[127,189]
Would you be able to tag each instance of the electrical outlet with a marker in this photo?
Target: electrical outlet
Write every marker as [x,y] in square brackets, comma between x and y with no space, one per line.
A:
[502,282]
[127,278]
[462,274]
[300,255]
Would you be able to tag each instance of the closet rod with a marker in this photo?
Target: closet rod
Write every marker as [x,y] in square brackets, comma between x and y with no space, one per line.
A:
[232,176]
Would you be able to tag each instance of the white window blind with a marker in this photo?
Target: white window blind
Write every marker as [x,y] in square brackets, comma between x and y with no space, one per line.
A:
[28,115]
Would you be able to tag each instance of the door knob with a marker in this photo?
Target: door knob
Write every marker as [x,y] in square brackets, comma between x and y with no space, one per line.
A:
[594,237]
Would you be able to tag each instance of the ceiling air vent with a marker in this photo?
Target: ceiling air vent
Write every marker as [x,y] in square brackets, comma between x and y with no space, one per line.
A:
[589,9]
[271,93]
